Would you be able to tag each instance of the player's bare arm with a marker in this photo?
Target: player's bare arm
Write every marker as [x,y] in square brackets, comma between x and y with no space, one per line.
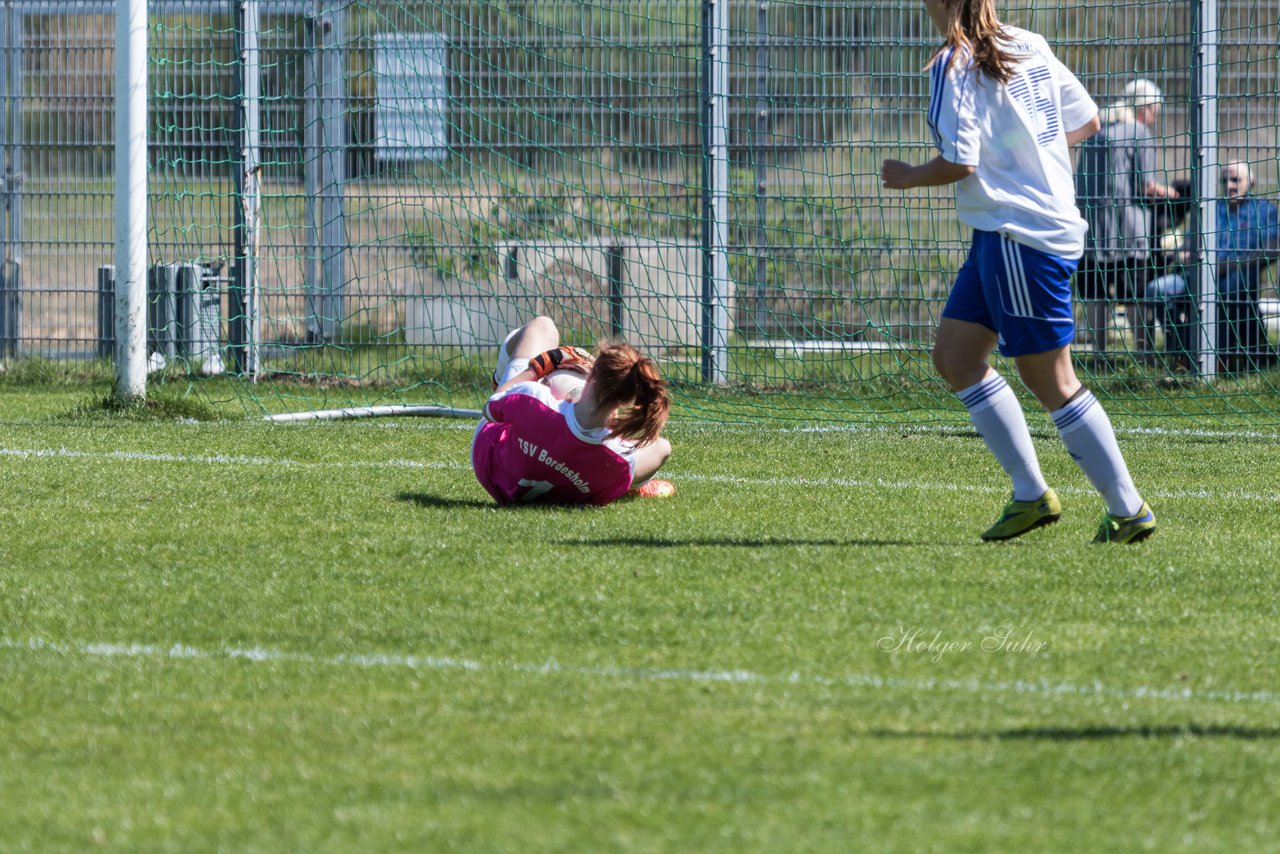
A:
[1085,131]
[938,172]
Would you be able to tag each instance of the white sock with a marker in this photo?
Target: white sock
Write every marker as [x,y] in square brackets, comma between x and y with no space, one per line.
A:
[997,416]
[1086,431]
[507,366]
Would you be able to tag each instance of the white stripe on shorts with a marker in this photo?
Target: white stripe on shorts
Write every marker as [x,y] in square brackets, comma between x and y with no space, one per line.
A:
[1019,295]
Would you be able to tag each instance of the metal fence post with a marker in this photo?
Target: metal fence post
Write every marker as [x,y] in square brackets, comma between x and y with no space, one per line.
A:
[1201,234]
[714,96]
[760,307]
[333,169]
[313,276]
[11,20]
[617,263]
[324,168]
[244,321]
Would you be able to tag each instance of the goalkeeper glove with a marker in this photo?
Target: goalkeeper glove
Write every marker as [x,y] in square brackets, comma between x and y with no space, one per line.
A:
[559,358]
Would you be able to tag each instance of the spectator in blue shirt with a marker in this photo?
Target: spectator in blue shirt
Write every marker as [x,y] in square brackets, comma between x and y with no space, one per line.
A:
[1248,241]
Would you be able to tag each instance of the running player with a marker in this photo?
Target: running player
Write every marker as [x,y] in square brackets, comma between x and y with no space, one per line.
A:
[1003,114]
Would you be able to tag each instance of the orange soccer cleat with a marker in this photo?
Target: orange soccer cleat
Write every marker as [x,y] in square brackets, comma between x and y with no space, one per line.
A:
[654,489]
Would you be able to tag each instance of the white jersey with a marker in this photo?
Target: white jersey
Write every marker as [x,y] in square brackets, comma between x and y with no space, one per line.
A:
[1014,135]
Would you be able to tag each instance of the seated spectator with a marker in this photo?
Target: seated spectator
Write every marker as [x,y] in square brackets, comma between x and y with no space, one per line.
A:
[1248,241]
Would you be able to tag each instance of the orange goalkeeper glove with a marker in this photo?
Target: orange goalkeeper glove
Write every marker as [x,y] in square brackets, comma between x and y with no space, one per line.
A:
[561,358]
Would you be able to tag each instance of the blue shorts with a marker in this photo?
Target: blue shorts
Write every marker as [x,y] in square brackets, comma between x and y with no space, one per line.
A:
[1021,293]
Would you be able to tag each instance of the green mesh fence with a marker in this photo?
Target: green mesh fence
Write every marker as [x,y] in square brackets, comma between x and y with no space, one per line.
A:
[434,174]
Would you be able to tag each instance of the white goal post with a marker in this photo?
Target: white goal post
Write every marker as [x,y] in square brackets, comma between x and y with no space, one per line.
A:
[131,201]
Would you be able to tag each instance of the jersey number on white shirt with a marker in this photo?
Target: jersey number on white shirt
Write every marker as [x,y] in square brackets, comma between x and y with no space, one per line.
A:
[1029,88]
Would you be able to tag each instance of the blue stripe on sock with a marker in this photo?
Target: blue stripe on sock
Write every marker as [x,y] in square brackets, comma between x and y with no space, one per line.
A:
[983,391]
[1074,411]
[1067,419]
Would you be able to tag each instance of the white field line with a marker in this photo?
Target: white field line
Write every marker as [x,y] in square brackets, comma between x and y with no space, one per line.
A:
[838,482]
[882,483]
[1037,430]
[469,424]
[219,459]
[1045,431]
[1034,687]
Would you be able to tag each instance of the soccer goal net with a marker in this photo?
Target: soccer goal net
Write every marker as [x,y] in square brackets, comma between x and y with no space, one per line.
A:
[352,203]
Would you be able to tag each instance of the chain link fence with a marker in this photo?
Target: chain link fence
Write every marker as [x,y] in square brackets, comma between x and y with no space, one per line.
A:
[555,120]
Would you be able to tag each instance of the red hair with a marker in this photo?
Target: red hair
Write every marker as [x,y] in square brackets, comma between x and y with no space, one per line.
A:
[625,378]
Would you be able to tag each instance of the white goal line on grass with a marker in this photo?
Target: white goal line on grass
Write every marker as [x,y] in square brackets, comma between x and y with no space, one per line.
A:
[1036,430]
[551,667]
[1041,431]
[839,482]
[219,459]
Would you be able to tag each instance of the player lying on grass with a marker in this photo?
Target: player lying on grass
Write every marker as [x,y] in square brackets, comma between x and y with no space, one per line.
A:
[568,427]
[1003,114]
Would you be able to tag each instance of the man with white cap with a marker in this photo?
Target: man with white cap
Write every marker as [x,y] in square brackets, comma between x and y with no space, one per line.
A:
[1115,181]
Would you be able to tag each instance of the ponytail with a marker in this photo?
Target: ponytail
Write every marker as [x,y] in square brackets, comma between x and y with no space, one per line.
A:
[627,379]
[977,31]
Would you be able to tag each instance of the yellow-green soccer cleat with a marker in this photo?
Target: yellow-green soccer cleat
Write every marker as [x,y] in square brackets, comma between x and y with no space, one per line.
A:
[1022,516]
[1127,529]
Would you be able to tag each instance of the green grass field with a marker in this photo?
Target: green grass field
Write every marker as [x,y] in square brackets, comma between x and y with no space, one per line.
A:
[233,635]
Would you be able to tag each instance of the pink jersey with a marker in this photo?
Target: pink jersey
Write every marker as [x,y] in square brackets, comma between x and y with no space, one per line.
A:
[531,448]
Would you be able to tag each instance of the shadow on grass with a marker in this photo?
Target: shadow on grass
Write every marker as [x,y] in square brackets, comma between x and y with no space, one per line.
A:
[1091,733]
[671,543]
[439,502]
